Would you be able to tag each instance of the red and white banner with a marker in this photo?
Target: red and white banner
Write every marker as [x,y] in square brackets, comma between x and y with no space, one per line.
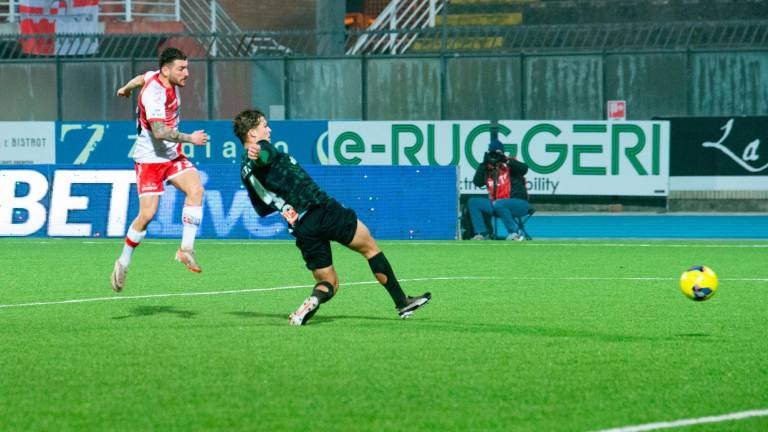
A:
[43,22]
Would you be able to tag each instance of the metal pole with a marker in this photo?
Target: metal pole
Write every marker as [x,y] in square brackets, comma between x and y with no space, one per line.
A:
[443,85]
[214,45]
[523,89]
[12,11]
[211,83]
[177,10]
[432,4]
[286,90]
[128,11]
[393,27]
[59,89]
[364,87]
[444,39]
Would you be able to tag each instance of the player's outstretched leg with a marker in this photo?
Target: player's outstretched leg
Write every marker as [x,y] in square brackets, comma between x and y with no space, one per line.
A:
[132,241]
[321,293]
[405,305]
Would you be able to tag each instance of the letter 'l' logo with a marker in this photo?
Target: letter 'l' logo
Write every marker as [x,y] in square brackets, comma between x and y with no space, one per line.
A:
[750,153]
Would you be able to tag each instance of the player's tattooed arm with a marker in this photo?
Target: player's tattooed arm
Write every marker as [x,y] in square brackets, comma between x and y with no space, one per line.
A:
[136,82]
[161,131]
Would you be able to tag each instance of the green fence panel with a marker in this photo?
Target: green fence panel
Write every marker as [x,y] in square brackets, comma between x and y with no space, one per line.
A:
[651,84]
[482,88]
[90,91]
[232,88]
[326,89]
[403,89]
[564,87]
[28,92]
[268,87]
[726,84]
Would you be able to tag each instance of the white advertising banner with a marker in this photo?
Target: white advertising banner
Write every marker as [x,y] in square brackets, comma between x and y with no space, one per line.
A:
[27,143]
[565,157]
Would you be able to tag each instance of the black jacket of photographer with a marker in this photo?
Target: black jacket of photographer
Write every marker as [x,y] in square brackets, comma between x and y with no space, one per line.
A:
[491,170]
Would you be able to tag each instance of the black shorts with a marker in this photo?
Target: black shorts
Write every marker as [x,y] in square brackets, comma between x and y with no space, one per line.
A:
[318,227]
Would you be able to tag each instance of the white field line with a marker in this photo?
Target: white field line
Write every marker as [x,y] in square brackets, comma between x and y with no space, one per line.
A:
[118,297]
[448,278]
[689,422]
[639,278]
[453,243]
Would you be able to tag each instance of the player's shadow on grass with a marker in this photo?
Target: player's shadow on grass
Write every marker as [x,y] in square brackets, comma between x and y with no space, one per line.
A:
[257,315]
[144,311]
[317,319]
[553,332]
[693,335]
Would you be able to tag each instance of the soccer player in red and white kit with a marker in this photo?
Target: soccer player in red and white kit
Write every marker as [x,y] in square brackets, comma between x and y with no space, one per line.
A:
[158,158]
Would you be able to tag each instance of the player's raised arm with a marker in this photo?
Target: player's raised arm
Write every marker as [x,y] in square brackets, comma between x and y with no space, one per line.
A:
[136,82]
[161,131]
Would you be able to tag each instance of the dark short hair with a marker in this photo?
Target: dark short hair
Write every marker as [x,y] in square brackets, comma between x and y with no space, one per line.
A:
[246,121]
[169,55]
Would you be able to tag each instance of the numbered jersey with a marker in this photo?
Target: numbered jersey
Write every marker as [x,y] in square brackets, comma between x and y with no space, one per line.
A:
[157,103]
[277,182]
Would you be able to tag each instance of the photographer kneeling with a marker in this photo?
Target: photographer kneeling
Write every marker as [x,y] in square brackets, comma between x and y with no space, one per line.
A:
[507,194]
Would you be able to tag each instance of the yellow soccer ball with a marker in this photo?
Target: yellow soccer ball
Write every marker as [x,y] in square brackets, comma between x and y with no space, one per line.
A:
[698,283]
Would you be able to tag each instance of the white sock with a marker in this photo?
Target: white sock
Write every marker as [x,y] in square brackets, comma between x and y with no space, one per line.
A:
[191,216]
[132,240]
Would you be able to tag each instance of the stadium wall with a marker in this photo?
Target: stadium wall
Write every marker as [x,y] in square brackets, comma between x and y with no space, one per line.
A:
[562,86]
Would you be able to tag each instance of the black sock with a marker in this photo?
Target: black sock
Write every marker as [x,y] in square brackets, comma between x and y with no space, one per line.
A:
[379,264]
[323,296]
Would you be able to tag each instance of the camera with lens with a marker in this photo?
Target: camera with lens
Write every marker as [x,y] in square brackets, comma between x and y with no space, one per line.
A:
[496,157]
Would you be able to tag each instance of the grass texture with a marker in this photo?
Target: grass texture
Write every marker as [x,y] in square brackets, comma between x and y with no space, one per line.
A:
[539,336]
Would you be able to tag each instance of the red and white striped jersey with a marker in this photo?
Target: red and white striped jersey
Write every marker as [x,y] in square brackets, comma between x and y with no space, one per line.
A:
[157,103]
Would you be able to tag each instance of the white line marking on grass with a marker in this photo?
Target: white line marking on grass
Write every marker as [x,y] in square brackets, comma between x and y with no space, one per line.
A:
[212,293]
[643,245]
[448,278]
[629,278]
[688,422]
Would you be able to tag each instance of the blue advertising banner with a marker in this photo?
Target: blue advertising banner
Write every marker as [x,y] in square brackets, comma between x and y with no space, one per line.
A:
[100,201]
[111,143]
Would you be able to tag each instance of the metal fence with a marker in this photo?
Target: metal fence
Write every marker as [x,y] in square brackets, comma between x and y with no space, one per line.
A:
[541,72]
[544,86]
[492,40]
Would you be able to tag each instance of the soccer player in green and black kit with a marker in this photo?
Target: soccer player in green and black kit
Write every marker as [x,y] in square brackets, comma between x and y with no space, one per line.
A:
[276,182]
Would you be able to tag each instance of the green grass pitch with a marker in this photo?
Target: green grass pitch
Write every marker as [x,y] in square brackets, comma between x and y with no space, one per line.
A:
[539,336]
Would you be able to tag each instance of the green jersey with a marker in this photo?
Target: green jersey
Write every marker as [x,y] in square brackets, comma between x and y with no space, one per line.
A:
[276,182]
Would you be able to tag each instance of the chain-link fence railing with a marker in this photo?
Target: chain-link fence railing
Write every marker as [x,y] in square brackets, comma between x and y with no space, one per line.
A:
[440,40]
